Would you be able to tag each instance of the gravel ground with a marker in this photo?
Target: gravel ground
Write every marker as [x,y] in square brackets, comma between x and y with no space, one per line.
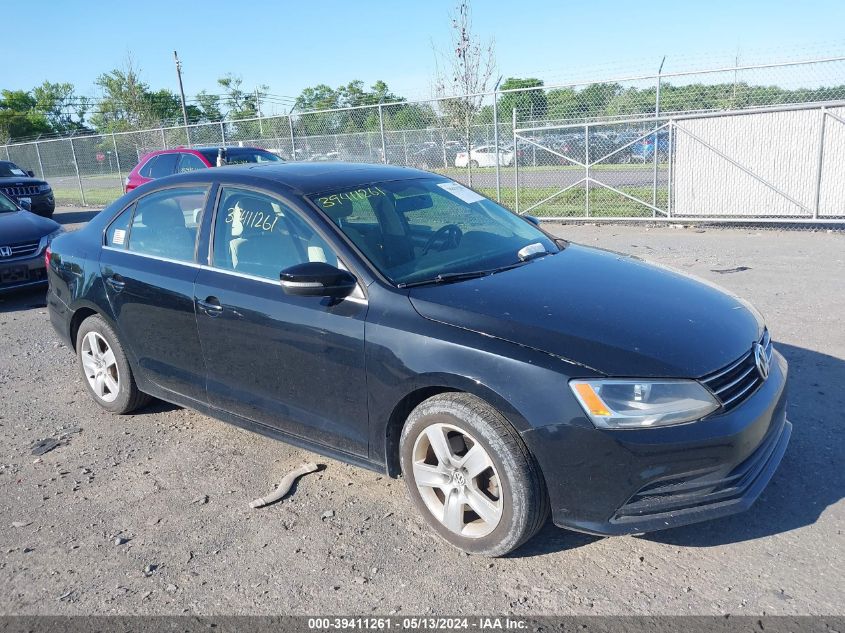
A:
[149,514]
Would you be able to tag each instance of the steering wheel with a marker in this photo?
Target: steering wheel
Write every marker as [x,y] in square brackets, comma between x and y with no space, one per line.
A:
[451,235]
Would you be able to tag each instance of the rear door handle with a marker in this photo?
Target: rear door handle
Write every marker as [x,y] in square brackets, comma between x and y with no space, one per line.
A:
[116,282]
[211,306]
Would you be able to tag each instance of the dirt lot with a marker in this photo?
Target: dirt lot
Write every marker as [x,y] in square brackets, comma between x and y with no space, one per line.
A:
[149,513]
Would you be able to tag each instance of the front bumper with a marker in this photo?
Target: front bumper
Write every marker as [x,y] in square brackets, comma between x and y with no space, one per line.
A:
[40,203]
[628,482]
[18,274]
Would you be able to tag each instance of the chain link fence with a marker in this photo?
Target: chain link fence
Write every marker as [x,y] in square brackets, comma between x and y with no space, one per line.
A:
[634,147]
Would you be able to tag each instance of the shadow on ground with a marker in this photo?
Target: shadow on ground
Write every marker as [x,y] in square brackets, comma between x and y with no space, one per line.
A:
[20,300]
[75,217]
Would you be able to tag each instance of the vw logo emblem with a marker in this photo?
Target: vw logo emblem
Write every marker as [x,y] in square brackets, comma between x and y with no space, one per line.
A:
[761,361]
[5,251]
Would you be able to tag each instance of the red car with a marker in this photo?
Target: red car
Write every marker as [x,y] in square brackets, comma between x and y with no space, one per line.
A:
[183,159]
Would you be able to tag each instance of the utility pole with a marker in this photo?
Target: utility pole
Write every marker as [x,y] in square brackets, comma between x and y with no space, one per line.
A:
[182,93]
[258,110]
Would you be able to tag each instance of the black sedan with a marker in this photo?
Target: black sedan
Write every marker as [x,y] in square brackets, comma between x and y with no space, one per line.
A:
[397,320]
[27,191]
[24,237]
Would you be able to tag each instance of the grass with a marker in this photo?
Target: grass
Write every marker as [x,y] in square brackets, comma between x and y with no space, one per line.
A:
[603,202]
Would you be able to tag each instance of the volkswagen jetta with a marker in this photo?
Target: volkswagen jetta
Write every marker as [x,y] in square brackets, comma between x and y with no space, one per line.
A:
[397,320]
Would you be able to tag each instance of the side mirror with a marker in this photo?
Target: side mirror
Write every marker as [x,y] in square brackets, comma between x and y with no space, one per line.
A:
[30,173]
[25,204]
[534,220]
[317,279]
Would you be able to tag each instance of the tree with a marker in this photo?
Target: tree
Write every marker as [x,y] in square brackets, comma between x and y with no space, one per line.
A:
[64,109]
[19,117]
[241,104]
[125,104]
[209,107]
[527,103]
[466,75]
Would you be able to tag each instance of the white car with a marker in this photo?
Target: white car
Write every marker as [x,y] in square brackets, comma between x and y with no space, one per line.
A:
[484,156]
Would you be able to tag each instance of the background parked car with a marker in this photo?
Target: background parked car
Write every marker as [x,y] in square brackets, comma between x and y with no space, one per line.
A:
[183,159]
[643,150]
[24,237]
[22,187]
[483,156]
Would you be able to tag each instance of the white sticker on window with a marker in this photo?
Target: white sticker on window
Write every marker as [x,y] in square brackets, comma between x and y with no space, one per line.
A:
[119,236]
[459,191]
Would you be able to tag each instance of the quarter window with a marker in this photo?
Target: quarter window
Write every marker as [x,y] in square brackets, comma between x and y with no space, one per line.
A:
[165,223]
[160,166]
[118,232]
[257,234]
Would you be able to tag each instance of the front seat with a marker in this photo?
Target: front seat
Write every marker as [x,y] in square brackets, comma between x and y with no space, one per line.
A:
[165,232]
[259,251]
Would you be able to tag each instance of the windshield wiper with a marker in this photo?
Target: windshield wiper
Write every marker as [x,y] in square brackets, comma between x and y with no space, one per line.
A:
[449,277]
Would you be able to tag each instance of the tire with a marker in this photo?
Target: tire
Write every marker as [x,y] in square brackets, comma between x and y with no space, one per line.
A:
[104,368]
[473,164]
[513,504]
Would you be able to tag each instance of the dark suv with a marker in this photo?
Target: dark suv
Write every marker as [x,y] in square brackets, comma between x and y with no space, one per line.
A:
[28,192]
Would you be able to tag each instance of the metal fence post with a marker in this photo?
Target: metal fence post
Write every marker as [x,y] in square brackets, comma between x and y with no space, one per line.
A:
[40,164]
[292,138]
[381,127]
[656,115]
[819,163]
[117,156]
[78,177]
[163,139]
[222,134]
[6,147]
[515,164]
[587,170]
[671,161]
[496,142]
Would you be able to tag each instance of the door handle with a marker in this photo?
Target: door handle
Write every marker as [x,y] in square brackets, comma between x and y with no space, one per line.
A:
[211,306]
[116,282]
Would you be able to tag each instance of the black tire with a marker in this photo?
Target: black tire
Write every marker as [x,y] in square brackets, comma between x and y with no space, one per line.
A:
[473,164]
[129,397]
[521,487]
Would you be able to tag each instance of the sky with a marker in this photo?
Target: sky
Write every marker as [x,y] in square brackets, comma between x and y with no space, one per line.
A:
[292,45]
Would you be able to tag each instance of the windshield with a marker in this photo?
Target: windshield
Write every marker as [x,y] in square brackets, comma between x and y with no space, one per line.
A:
[429,228]
[6,205]
[10,170]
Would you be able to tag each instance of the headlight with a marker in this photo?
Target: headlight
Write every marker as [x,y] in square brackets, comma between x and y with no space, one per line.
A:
[49,238]
[45,188]
[634,404]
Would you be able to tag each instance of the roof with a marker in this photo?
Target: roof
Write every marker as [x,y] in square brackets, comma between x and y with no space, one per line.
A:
[306,177]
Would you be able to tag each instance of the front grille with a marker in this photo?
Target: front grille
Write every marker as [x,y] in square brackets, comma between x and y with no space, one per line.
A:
[703,488]
[740,379]
[22,249]
[24,190]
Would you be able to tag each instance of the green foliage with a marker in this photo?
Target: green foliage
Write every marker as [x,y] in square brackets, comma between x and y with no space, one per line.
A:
[527,103]
[19,117]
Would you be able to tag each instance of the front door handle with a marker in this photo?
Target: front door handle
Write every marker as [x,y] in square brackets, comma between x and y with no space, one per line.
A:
[116,282]
[211,306]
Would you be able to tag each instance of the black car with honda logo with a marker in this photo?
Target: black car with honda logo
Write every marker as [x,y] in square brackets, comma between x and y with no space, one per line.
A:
[28,192]
[24,239]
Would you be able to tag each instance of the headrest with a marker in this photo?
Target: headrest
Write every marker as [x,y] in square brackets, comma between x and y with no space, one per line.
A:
[164,214]
[339,210]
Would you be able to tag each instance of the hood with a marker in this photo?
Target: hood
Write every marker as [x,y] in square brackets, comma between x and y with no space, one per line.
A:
[23,226]
[612,312]
[20,181]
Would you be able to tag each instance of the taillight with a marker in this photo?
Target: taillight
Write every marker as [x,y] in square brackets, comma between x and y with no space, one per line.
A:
[47,254]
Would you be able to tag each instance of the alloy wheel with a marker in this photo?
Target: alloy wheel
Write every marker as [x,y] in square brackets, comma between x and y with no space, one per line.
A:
[457,480]
[100,367]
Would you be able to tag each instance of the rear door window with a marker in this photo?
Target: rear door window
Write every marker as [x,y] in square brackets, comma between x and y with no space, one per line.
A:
[189,162]
[165,223]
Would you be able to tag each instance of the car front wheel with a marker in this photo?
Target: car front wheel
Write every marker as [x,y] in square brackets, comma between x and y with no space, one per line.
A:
[470,475]
[105,370]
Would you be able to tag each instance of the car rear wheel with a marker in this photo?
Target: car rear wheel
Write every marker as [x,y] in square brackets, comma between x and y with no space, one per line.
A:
[105,370]
[473,164]
[470,475]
